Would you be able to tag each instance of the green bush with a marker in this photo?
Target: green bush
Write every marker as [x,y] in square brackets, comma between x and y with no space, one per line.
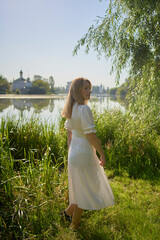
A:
[17,91]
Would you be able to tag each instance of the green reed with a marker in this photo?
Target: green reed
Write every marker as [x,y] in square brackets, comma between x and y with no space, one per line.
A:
[30,138]
[131,143]
[31,197]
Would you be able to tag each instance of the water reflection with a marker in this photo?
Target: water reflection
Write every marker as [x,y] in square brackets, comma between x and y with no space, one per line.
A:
[40,104]
[5,103]
[106,103]
[120,99]
[51,106]
[49,109]
[22,104]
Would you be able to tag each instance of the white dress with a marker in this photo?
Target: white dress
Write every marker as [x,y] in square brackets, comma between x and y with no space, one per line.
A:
[88,184]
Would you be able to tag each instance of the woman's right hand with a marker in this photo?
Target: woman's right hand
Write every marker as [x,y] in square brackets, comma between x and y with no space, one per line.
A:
[102,160]
[95,142]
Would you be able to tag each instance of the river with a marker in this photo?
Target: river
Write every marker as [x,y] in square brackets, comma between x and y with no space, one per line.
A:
[48,108]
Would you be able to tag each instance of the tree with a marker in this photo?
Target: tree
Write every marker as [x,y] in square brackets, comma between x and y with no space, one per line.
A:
[51,83]
[124,88]
[4,85]
[37,77]
[39,87]
[130,34]
[17,91]
[61,90]
[113,91]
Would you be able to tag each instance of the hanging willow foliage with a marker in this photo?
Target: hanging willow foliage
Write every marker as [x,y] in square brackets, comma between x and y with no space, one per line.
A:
[129,33]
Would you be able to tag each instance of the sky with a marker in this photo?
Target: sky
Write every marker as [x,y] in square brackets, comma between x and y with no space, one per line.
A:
[39,36]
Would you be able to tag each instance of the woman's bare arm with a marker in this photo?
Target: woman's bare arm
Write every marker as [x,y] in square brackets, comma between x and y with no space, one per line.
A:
[69,137]
[95,142]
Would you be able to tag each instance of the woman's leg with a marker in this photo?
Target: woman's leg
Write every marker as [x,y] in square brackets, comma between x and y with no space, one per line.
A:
[76,216]
[70,209]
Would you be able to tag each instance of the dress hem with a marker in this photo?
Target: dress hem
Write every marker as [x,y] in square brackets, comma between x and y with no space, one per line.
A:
[111,204]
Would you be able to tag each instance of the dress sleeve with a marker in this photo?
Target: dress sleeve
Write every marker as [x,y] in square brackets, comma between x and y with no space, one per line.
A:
[87,120]
[67,125]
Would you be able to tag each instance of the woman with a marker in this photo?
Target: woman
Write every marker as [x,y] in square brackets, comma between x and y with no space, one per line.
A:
[88,185]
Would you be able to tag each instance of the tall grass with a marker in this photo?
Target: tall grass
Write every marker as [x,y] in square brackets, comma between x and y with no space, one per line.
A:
[31,198]
[29,138]
[131,143]
[34,187]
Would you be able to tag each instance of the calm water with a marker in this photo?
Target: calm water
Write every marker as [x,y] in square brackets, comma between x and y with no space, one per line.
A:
[49,109]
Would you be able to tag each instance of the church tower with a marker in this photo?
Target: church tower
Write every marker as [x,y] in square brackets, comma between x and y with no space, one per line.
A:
[21,74]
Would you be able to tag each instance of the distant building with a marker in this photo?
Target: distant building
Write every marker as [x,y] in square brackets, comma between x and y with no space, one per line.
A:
[68,86]
[101,89]
[98,89]
[24,85]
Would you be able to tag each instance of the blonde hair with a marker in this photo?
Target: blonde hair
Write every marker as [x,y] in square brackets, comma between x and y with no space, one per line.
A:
[74,95]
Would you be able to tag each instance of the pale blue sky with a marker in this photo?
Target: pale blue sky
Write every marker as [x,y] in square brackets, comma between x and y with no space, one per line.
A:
[38,36]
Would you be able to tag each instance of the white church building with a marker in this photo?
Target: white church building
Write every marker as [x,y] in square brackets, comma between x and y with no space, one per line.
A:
[24,85]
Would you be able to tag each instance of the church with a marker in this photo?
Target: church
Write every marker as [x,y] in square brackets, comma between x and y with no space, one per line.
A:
[24,85]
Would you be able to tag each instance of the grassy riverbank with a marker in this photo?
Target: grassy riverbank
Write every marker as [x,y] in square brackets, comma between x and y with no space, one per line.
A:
[34,185]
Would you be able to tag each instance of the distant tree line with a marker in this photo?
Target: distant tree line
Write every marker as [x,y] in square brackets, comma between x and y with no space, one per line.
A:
[42,85]
[122,90]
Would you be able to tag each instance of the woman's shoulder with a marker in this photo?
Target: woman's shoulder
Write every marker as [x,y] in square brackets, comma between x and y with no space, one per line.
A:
[83,107]
[84,110]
